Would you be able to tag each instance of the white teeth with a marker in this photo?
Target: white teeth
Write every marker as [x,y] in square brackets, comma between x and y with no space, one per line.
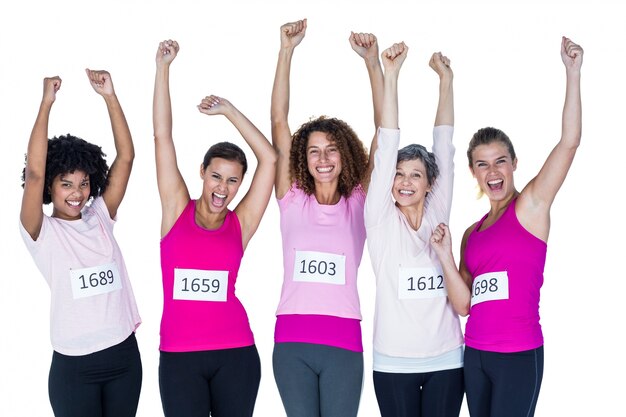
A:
[494,182]
[407,192]
[324,170]
[219,195]
[74,203]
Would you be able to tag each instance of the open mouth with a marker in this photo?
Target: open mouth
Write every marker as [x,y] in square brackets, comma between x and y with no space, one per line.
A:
[406,192]
[218,200]
[495,185]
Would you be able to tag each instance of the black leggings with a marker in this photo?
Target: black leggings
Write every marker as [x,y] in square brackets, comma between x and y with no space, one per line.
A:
[223,382]
[503,384]
[427,394]
[102,384]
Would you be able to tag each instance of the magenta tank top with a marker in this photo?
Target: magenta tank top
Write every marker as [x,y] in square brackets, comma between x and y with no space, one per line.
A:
[506,263]
[200,266]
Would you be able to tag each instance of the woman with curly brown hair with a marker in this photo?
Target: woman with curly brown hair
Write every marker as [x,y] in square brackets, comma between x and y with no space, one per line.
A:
[321,181]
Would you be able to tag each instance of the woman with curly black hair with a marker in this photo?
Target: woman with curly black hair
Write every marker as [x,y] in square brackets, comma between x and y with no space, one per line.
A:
[321,181]
[96,367]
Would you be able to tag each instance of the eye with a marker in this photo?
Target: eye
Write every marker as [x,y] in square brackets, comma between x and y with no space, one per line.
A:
[416,175]
[313,151]
[233,180]
[215,176]
[480,164]
[398,174]
[501,161]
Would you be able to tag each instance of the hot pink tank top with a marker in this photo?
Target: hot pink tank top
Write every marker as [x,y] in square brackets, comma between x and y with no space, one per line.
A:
[199,266]
[506,262]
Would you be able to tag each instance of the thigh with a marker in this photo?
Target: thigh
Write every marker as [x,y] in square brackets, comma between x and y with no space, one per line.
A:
[183,384]
[120,396]
[442,393]
[341,381]
[477,383]
[297,381]
[235,382]
[71,394]
[516,382]
[398,395]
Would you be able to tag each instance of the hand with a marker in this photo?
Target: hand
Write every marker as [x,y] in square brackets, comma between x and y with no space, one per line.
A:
[101,82]
[214,105]
[50,87]
[571,54]
[291,34]
[167,51]
[440,240]
[394,56]
[364,44]
[441,65]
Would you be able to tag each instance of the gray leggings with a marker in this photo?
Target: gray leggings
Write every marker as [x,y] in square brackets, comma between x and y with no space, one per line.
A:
[318,380]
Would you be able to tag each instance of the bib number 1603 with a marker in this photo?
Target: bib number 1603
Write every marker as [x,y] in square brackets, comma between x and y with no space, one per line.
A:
[319,267]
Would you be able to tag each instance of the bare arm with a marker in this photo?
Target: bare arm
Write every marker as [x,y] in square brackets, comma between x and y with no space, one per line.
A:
[456,284]
[537,197]
[366,45]
[445,108]
[172,188]
[291,34]
[392,58]
[31,213]
[124,151]
[251,208]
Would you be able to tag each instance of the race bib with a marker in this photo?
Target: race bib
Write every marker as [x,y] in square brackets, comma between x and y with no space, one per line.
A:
[200,285]
[101,279]
[421,283]
[490,286]
[319,267]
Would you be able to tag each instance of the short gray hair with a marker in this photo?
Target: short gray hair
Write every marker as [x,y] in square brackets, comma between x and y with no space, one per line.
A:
[415,151]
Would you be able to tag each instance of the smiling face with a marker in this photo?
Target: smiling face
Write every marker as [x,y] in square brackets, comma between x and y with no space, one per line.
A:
[69,193]
[410,184]
[222,179]
[323,159]
[493,168]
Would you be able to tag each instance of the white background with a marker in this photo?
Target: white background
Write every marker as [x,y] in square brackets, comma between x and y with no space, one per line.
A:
[508,74]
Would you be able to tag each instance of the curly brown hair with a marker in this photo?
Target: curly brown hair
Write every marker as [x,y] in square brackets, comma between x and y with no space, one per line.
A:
[351,149]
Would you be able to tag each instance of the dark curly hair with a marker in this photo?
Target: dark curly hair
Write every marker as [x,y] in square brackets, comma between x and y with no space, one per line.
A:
[351,149]
[69,153]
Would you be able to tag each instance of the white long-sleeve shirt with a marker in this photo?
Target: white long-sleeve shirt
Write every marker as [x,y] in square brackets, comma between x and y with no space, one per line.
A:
[413,317]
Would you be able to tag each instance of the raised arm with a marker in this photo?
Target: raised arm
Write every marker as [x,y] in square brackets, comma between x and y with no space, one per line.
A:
[291,34]
[457,284]
[366,46]
[537,197]
[392,58]
[251,208]
[124,151]
[172,187]
[445,107]
[31,213]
